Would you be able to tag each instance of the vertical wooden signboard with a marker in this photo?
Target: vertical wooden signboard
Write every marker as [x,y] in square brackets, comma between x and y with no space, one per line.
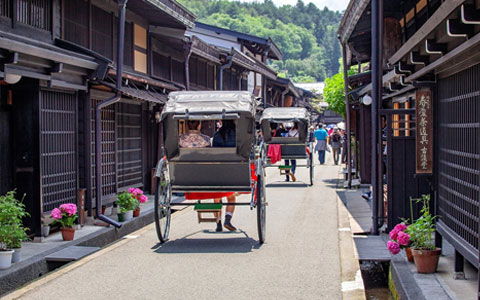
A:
[424,132]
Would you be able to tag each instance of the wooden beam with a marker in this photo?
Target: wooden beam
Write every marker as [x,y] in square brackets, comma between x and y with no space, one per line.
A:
[446,58]
[20,47]
[437,18]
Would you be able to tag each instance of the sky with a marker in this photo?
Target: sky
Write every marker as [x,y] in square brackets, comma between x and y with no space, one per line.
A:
[331,4]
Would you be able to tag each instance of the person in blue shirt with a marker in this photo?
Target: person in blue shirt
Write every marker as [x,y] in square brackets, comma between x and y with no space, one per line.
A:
[321,136]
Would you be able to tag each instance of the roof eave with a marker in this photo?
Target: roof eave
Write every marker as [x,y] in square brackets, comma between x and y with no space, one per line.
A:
[352,14]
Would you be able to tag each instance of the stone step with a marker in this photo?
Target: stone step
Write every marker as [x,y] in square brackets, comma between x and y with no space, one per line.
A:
[71,253]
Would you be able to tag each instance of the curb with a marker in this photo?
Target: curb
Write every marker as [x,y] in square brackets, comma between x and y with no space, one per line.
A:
[36,266]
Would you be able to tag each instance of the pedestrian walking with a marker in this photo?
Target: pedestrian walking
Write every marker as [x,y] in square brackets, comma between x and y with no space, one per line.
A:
[335,141]
[321,138]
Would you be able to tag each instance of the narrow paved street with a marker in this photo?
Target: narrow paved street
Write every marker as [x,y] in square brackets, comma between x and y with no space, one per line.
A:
[300,259]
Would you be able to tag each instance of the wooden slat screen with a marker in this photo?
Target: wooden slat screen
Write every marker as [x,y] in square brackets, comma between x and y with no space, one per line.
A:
[211,77]
[458,148]
[161,66]
[58,148]
[129,142]
[192,70]
[109,181]
[36,13]
[5,8]
[178,71]
[202,73]
[102,32]
[76,22]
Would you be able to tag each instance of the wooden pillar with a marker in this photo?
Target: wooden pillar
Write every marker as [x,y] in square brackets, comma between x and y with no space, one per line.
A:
[347,117]
[377,83]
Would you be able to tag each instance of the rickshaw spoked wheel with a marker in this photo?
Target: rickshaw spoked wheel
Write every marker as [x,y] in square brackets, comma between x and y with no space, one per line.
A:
[261,207]
[312,165]
[162,208]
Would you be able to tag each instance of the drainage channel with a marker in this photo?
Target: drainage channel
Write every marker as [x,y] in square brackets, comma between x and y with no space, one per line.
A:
[375,280]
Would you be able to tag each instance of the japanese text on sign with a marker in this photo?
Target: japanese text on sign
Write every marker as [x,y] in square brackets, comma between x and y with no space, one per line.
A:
[424,135]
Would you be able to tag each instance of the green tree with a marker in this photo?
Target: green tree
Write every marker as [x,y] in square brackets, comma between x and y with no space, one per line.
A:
[334,93]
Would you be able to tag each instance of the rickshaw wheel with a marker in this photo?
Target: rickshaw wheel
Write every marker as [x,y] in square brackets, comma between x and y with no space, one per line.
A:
[162,209]
[261,208]
[312,166]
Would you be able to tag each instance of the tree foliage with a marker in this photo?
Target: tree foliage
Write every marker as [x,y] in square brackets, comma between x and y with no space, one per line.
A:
[334,93]
[305,34]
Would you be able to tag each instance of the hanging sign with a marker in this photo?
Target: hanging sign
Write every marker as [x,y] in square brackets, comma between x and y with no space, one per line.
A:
[424,131]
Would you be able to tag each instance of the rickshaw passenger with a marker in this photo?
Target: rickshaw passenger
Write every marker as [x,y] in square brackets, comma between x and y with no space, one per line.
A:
[225,137]
[194,138]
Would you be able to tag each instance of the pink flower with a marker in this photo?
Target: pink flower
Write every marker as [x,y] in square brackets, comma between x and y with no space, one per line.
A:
[135,192]
[400,227]
[142,199]
[69,208]
[403,238]
[394,233]
[56,214]
[393,247]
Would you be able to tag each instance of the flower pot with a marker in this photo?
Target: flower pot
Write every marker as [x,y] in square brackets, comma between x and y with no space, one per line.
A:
[121,217]
[426,260]
[17,255]
[68,233]
[46,230]
[136,212]
[408,252]
[5,259]
[128,215]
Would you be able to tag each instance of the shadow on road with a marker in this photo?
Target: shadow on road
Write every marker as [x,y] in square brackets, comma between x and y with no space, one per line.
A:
[190,244]
[332,183]
[283,184]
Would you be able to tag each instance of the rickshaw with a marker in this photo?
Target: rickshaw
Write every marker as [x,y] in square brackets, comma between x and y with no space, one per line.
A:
[210,169]
[299,147]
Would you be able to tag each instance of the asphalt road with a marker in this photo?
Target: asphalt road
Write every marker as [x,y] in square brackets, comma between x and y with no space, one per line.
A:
[299,260]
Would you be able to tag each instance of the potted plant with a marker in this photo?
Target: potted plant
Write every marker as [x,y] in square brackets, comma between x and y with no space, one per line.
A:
[65,215]
[425,254]
[126,204]
[400,239]
[141,198]
[5,252]
[12,212]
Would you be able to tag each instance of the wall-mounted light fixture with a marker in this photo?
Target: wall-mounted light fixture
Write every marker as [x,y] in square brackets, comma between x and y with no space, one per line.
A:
[12,78]
[367,100]
[157,116]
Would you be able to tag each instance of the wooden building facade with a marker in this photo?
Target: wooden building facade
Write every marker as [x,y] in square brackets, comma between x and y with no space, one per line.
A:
[425,84]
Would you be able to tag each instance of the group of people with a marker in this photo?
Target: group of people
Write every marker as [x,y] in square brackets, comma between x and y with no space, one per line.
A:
[225,136]
[334,137]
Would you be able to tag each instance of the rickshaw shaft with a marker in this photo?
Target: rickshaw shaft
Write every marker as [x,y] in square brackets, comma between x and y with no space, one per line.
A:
[226,204]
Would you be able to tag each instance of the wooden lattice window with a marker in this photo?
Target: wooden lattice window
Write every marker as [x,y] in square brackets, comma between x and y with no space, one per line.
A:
[129,143]
[102,32]
[58,148]
[161,66]
[35,13]
[76,22]
[178,71]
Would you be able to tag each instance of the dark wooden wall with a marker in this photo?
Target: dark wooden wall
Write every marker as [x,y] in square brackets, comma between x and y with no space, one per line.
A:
[364,138]
[402,181]
[26,142]
[5,143]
